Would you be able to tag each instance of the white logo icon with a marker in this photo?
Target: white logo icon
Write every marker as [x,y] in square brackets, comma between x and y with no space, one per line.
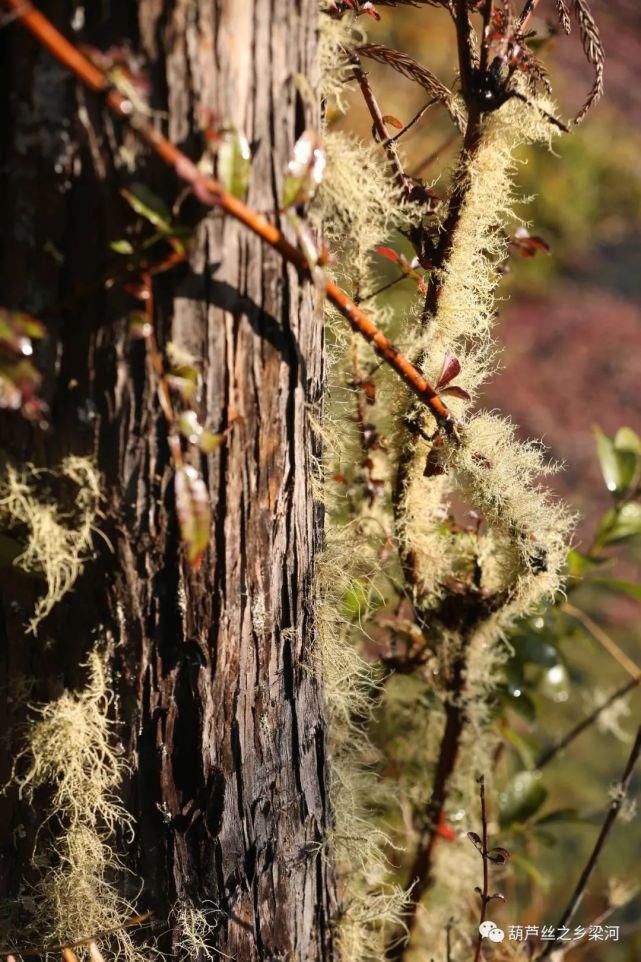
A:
[491,931]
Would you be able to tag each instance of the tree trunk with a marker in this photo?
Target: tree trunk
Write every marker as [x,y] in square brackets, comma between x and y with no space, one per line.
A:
[216,680]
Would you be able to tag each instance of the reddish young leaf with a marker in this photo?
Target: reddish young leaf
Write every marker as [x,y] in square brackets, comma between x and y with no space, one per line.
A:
[449,369]
[475,840]
[527,244]
[499,855]
[389,253]
[454,391]
[392,121]
[194,513]
[368,7]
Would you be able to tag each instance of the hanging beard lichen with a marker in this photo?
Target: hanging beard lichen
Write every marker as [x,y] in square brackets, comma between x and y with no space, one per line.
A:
[384,505]
[58,538]
[70,752]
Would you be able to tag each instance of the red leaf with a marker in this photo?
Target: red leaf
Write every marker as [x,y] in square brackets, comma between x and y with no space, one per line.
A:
[392,121]
[194,514]
[368,8]
[528,245]
[454,391]
[389,253]
[449,369]
[444,830]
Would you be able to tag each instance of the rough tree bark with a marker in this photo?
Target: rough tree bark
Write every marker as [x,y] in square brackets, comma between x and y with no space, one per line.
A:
[218,690]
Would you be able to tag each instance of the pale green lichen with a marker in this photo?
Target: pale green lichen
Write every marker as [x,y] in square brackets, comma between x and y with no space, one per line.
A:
[58,540]
[71,750]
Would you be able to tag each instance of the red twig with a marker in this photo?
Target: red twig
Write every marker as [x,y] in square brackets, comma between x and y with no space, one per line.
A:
[378,123]
[211,193]
[485,894]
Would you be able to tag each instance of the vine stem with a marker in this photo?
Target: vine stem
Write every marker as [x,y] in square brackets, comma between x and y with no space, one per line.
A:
[610,818]
[212,194]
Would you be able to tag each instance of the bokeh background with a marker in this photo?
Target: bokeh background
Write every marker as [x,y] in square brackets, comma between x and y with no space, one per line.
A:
[570,326]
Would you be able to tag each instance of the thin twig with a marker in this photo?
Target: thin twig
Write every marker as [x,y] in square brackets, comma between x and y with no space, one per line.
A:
[526,13]
[211,193]
[603,638]
[610,818]
[485,894]
[380,290]
[408,126]
[546,757]
[448,940]
[379,124]
[434,155]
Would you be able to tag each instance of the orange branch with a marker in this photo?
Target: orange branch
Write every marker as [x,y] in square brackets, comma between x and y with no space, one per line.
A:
[211,193]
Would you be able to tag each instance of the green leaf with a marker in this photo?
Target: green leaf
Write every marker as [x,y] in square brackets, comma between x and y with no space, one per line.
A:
[520,745]
[559,815]
[194,513]
[360,600]
[234,162]
[627,440]
[579,564]
[618,524]
[189,426]
[209,441]
[622,587]
[305,170]
[122,246]
[618,465]
[529,868]
[522,798]
[148,205]
[555,683]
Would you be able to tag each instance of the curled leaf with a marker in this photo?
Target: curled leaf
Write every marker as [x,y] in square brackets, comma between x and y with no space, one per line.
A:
[475,839]
[194,513]
[499,855]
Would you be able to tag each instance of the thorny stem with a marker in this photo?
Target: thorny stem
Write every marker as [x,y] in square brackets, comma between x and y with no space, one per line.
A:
[546,757]
[211,193]
[485,895]
[610,818]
